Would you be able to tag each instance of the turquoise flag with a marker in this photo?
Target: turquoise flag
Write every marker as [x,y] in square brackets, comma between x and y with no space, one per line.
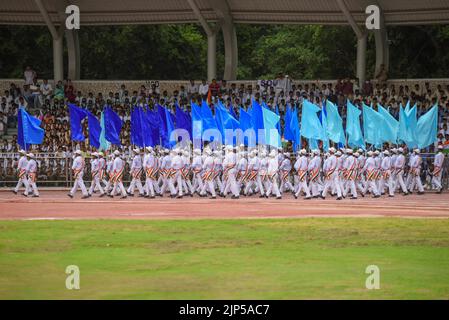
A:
[197,122]
[428,127]
[389,127]
[270,121]
[104,144]
[334,124]
[407,126]
[353,130]
[310,123]
[372,126]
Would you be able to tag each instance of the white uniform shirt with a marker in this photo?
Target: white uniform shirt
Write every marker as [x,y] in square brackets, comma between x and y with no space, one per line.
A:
[386,163]
[22,164]
[118,164]
[439,159]
[31,166]
[78,163]
[273,166]
[137,163]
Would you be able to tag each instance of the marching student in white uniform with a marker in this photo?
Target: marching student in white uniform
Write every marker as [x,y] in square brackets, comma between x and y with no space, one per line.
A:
[78,172]
[95,172]
[254,178]
[150,165]
[118,169]
[370,169]
[31,171]
[301,167]
[109,166]
[399,165]
[229,173]
[438,169]
[331,175]
[415,172]
[350,166]
[208,174]
[284,169]
[185,173]
[386,177]
[272,172]
[177,164]
[22,172]
[314,172]
[136,173]
[197,168]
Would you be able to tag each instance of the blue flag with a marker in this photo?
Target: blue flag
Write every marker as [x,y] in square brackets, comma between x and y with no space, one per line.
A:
[428,127]
[183,121]
[295,130]
[372,122]
[353,130]
[310,123]
[288,134]
[29,130]
[163,131]
[113,126]
[197,122]
[245,124]
[170,118]
[334,125]
[94,130]
[153,121]
[232,112]
[136,127]
[226,121]
[270,124]
[278,126]
[77,115]
[207,118]
[408,126]
[257,120]
[389,127]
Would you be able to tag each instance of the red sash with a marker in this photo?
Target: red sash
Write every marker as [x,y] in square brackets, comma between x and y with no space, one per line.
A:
[436,171]
[22,173]
[284,175]
[302,175]
[118,176]
[329,173]
[137,173]
[314,175]
[151,173]
[371,175]
[32,176]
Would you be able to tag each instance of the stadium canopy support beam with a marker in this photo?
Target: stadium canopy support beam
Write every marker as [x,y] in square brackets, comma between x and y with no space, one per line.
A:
[73,49]
[211,42]
[57,35]
[361,42]
[382,50]
[226,22]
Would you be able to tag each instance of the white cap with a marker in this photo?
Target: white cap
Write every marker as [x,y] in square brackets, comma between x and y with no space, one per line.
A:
[332,150]
[440,147]
[186,153]
[229,148]
[303,151]
[360,150]
[136,150]
[117,153]
[400,150]
[356,154]
[377,152]
[149,149]
[77,152]
[338,153]
[273,153]
[197,151]
[370,153]
[31,155]
[386,152]
[416,150]
[394,150]
[100,154]
[349,150]
[94,154]
[21,151]
[316,151]
[263,153]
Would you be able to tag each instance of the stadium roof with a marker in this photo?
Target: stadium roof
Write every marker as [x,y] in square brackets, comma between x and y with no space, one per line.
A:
[113,12]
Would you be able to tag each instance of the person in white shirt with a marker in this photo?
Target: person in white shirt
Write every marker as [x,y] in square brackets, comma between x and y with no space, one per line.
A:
[46,91]
[78,172]
[21,171]
[136,173]
[29,75]
[301,167]
[399,165]
[192,88]
[177,164]
[284,169]
[415,172]
[386,177]
[254,178]
[272,173]
[350,166]
[331,175]
[438,169]
[150,165]
[31,171]
[370,169]
[168,173]
[118,168]
[208,174]
[95,172]
[197,167]
[229,173]
[203,89]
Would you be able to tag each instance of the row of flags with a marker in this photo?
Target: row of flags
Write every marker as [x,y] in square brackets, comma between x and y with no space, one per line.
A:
[317,123]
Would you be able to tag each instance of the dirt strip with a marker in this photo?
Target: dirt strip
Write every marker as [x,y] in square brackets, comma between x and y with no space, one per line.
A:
[56,205]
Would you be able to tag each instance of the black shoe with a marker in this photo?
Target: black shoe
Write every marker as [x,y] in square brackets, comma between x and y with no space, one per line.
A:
[353,198]
[376,196]
[85,197]
[278,198]
[438,192]
[307,198]
[234,197]
[24,194]
[363,195]
[261,196]
[322,197]
[14,191]
[35,196]
[191,195]
[102,195]
[70,195]
[390,196]
[405,194]
[339,198]
[420,193]
[178,197]
[130,194]
[110,196]
[296,197]
[213,197]
[151,197]
[141,195]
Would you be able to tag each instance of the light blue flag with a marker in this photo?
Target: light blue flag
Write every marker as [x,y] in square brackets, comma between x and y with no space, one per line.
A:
[407,126]
[389,127]
[334,125]
[428,127]
[270,121]
[372,122]
[313,144]
[197,122]
[353,130]
[104,144]
[311,127]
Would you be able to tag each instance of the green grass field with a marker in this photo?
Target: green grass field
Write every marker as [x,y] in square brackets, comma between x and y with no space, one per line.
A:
[226,259]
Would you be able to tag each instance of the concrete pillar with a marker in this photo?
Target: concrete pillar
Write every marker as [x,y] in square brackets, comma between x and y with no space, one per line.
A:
[211,56]
[231,51]
[382,50]
[58,66]
[73,50]
[361,59]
